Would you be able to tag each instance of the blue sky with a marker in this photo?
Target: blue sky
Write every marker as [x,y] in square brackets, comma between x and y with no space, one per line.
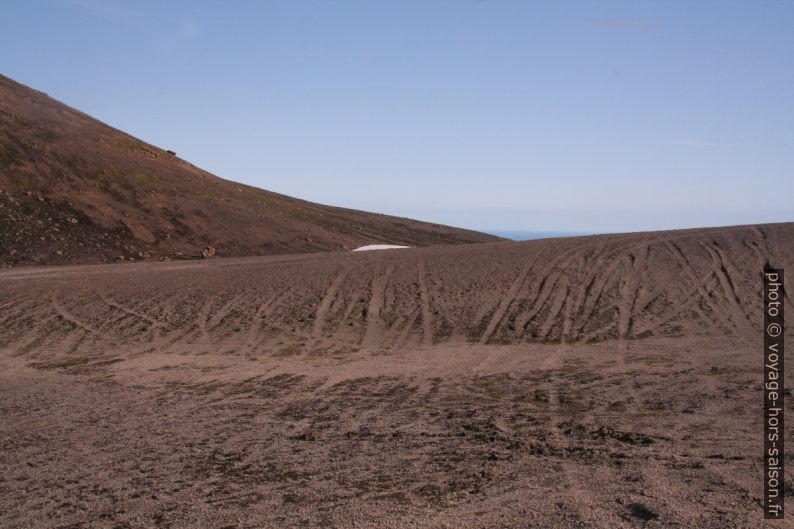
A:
[493,115]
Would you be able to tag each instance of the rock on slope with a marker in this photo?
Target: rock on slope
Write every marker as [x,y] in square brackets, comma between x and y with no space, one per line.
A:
[75,190]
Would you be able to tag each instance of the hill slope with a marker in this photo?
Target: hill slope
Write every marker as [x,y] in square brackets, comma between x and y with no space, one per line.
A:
[74,190]
[578,289]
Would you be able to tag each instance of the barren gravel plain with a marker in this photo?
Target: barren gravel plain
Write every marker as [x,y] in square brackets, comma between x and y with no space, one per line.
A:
[605,381]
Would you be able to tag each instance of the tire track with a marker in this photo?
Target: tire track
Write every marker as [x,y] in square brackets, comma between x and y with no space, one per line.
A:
[708,282]
[734,277]
[599,286]
[217,319]
[554,312]
[578,497]
[427,322]
[590,288]
[325,304]
[33,339]
[686,265]
[255,329]
[698,282]
[408,323]
[507,300]
[629,297]
[548,280]
[374,331]
[71,318]
[729,293]
[119,306]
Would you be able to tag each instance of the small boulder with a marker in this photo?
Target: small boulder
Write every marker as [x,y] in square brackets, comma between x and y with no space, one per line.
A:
[207,252]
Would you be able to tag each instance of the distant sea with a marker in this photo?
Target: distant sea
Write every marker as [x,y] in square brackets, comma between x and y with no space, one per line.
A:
[530,235]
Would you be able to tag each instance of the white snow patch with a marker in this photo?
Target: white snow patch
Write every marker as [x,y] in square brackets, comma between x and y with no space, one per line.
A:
[379,247]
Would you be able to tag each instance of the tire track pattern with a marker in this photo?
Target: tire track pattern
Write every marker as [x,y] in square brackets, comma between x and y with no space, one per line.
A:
[570,290]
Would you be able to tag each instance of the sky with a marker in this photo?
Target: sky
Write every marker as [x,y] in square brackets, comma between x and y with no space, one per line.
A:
[493,115]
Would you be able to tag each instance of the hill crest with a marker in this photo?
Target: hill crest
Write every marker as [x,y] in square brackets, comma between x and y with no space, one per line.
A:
[75,190]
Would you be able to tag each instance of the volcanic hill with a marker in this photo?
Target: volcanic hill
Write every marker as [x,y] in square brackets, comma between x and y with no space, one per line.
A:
[75,190]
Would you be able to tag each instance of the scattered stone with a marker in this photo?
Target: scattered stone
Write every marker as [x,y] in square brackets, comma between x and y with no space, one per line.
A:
[642,512]
[72,220]
[633,438]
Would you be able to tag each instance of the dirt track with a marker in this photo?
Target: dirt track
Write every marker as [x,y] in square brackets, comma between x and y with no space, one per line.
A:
[589,382]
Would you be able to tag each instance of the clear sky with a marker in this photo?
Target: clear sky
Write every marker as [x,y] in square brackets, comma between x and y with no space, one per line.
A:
[494,115]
